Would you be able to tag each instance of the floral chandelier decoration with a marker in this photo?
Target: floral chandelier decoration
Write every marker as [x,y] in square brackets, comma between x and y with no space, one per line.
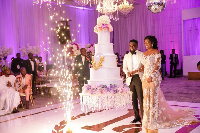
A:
[59,2]
[157,6]
[107,7]
[125,7]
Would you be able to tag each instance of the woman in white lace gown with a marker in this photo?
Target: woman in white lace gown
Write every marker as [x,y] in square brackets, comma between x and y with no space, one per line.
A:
[157,112]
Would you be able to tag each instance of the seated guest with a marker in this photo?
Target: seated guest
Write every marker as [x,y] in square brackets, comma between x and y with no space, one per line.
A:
[25,80]
[9,97]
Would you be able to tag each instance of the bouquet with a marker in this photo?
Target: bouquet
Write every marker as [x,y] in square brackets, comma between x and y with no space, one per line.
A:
[103,24]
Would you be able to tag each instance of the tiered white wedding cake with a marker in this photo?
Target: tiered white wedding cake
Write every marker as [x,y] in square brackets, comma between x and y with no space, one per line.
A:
[109,73]
[105,89]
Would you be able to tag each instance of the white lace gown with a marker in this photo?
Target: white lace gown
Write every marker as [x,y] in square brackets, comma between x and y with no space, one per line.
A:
[157,112]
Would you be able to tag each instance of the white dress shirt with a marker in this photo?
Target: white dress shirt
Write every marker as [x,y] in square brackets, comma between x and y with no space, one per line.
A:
[83,59]
[23,81]
[135,61]
[32,64]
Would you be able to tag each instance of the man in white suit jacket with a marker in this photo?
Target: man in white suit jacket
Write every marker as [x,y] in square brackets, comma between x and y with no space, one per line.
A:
[133,69]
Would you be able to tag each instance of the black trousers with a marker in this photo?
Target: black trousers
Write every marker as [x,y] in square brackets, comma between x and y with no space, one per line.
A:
[173,65]
[33,82]
[82,81]
[136,87]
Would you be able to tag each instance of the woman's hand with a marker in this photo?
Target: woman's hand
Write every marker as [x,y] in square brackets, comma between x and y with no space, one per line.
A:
[149,79]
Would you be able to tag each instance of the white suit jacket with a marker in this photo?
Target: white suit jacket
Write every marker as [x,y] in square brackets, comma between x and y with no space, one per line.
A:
[128,65]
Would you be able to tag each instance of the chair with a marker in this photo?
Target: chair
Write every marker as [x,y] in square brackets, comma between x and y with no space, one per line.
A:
[19,83]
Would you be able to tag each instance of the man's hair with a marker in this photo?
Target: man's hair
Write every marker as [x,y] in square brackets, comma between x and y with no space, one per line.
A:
[133,40]
[82,49]
[198,63]
[17,54]
[40,57]
[22,68]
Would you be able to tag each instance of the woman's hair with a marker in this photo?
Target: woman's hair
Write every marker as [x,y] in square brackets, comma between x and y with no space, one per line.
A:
[153,40]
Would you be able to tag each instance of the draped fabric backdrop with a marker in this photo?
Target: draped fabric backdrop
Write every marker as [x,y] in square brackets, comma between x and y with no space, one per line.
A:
[165,26]
[21,22]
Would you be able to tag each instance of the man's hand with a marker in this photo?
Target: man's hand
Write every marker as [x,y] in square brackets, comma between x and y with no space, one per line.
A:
[129,74]
[133,72]
[25,87]
[87,58]
[149,79]
[9,84]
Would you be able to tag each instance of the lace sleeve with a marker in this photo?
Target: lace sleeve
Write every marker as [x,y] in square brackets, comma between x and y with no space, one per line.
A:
[142,59]
[156,70]
[158,60]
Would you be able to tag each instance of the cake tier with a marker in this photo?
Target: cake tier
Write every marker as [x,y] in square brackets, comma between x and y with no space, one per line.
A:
[118,82]
[105,49]
[109,60]
[104,37]
[105,73]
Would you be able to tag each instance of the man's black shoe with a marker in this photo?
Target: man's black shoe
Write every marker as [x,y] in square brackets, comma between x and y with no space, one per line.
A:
[136,120]
[15,111]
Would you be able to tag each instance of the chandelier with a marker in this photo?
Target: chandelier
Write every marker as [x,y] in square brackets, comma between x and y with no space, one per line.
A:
[59,2]
[107,7]
[157,6]
[125,7]
[82,2]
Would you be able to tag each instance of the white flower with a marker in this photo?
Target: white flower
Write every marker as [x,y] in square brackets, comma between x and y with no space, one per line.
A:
[5,52]
[30,49]
[104,19]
